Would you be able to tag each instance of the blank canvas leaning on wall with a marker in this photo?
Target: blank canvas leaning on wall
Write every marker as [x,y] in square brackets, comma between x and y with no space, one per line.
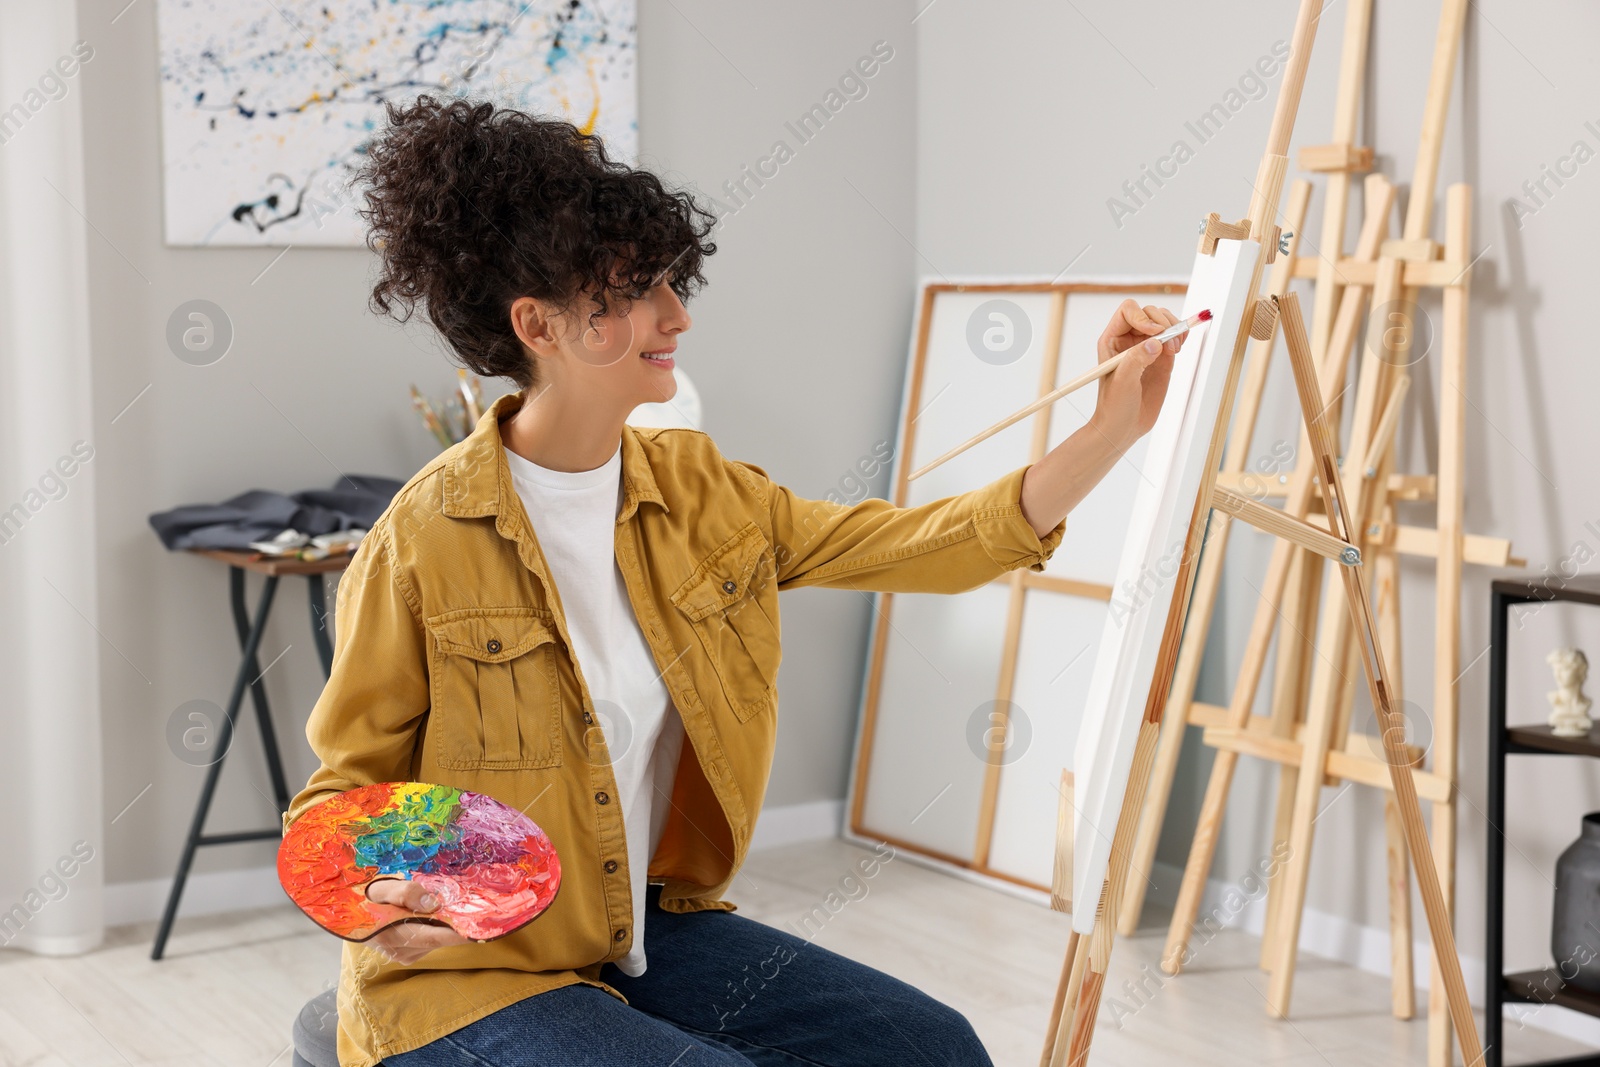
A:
[973,701]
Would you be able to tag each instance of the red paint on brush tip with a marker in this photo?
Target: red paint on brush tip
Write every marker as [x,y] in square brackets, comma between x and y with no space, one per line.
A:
[1204,316]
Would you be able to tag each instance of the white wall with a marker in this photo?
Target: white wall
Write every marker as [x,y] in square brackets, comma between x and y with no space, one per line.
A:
[797,349]
[1032,115]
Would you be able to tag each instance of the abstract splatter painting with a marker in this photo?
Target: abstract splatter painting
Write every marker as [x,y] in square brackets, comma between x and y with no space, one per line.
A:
[267,108]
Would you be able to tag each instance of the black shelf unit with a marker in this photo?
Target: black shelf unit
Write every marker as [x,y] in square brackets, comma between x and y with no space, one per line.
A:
[1527,987]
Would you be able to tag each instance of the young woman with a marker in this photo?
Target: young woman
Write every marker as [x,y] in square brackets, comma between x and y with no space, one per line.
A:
[579,617]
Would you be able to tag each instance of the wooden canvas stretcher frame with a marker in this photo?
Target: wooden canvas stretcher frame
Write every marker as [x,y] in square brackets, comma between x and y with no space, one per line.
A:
[1018,584]
[1083,975]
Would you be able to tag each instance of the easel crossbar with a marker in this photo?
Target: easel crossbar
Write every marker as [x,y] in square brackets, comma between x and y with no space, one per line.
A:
[1281,524]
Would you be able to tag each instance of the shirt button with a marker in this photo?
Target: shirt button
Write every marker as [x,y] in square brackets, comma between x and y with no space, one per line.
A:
[620,935]
[729,586]
[611,866]
[601,798]
[587,717]
[493,646]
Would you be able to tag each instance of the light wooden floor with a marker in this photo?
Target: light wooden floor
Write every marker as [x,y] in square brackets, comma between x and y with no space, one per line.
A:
[230,985]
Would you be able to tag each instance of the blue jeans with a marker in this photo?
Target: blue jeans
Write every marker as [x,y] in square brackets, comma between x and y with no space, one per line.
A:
[720,990]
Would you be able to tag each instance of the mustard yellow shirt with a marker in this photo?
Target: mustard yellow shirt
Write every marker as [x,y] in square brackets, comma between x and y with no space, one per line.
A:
[452,664]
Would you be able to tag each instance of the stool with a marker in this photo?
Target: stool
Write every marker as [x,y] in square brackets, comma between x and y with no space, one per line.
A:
[315,1031]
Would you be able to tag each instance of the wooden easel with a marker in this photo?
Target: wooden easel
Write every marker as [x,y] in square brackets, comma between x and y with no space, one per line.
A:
[1088,957]
[1324,740]
[1183,707]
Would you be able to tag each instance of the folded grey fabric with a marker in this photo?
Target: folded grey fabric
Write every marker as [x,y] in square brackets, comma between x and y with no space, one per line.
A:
[354,502]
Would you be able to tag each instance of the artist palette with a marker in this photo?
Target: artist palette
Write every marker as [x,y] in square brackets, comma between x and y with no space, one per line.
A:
[490,866]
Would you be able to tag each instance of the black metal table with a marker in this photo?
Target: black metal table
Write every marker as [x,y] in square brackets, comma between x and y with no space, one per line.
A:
[1526,987]
[248,677]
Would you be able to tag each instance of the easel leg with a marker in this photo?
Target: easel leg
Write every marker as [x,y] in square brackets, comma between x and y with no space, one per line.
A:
[1169,746]
[1346,115]
[1083,1020]
[1402,978]
[1061,1033]
[1282,823]
[1295,659]
[1285,713]
[1052,1034]
[1447,583]
[1444,851]
[1096,948]
[1201,852]
[1386,573]
[1402,982]
[1326,683]
[1391,724]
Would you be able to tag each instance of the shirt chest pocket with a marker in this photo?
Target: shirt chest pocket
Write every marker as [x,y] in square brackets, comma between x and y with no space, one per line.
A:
[732,602]
[495,688]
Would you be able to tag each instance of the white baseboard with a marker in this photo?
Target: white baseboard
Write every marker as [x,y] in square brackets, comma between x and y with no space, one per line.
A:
[1366,948]
[215,892]
[55,945]
[789,824]
[207,893]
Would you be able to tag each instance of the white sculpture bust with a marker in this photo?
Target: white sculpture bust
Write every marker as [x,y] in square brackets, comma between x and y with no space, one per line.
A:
[1569,708]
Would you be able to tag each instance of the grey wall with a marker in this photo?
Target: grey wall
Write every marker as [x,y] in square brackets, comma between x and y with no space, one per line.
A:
[798,345]
[1031,116]
[798,348]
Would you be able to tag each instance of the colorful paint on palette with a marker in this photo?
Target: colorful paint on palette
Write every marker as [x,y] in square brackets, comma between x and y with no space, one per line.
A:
[490,866]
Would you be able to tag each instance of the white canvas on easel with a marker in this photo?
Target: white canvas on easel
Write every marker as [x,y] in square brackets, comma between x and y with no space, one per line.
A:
[1157,531]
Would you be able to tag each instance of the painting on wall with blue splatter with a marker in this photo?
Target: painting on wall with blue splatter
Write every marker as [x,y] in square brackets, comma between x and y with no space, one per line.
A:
[267,108]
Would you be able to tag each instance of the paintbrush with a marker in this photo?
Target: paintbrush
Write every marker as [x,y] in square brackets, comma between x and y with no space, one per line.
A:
[470,401]
[1100,371]
[429,419]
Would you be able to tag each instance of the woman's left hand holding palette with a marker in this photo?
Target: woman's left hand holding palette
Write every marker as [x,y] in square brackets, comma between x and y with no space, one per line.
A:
[490,867]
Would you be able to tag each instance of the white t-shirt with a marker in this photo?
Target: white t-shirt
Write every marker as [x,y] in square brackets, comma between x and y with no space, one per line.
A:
[574,516]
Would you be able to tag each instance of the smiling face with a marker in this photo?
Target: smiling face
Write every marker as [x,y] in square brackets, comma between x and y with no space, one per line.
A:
[609,363]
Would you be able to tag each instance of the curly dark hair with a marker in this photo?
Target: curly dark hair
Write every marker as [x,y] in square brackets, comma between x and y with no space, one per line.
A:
[471,206]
